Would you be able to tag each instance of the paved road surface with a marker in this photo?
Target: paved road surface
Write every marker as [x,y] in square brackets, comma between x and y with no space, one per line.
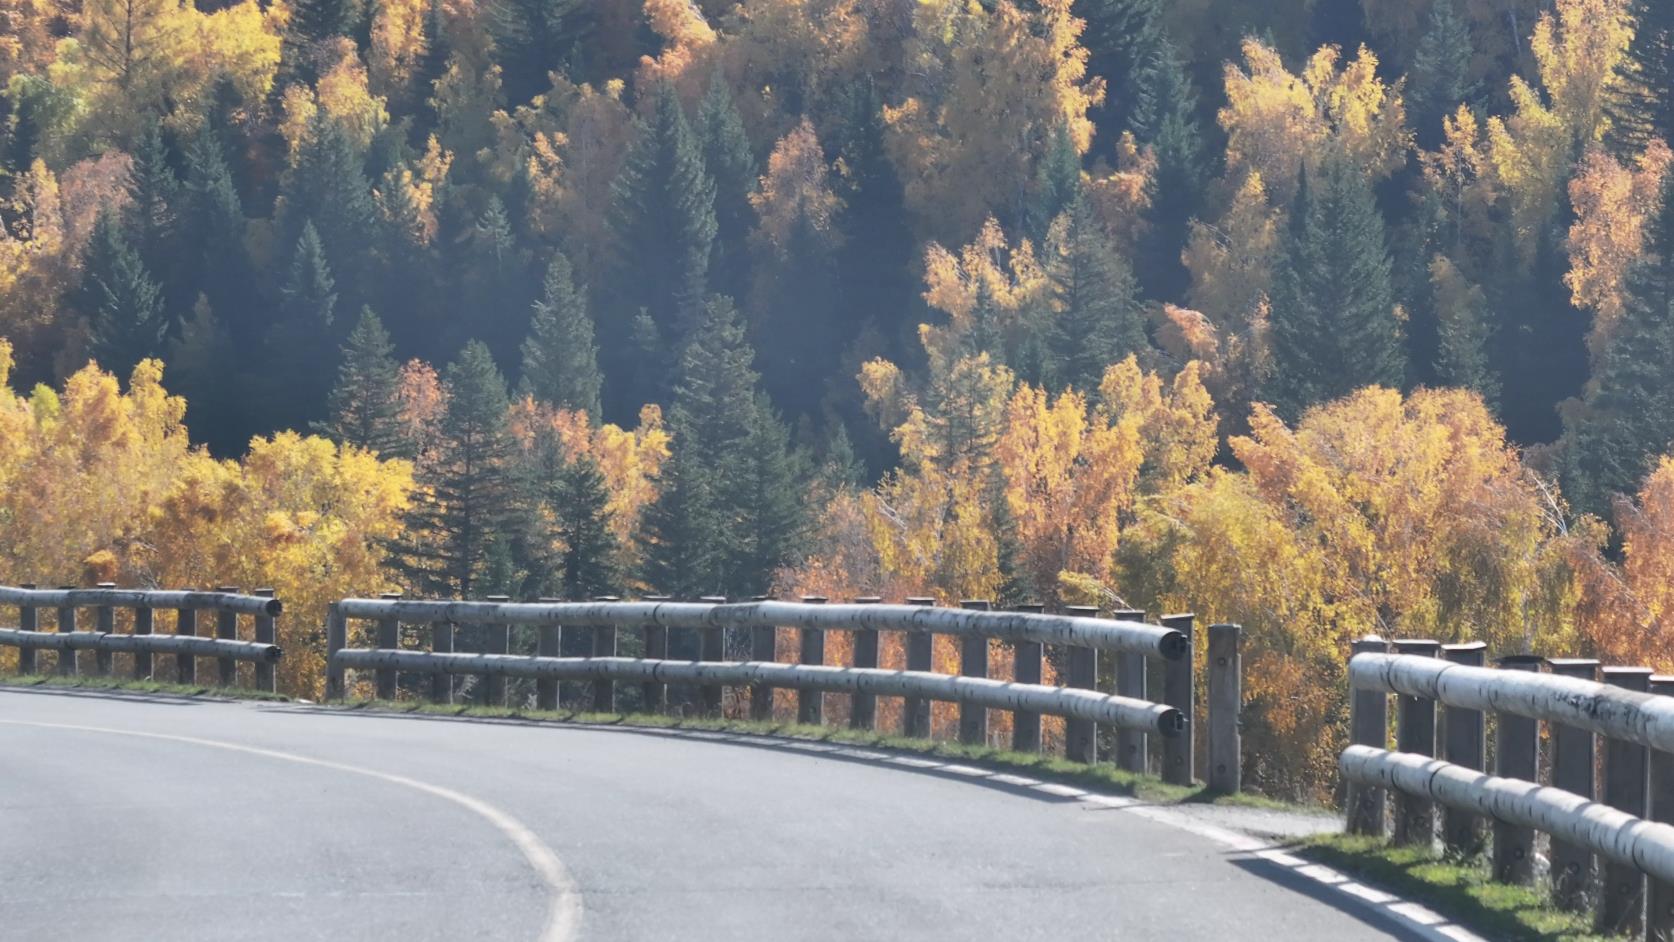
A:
[124,817]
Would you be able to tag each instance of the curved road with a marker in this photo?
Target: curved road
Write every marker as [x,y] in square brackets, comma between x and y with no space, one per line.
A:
[130,817]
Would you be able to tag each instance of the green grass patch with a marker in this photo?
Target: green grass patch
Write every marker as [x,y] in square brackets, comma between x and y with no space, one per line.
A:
[139,686]
[1458,889]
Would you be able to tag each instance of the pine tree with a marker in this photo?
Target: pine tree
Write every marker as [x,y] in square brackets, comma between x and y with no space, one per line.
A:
[533,37]
[123,304]
[470,492]
[1098,320]
[1166,119]
[560,359]
[1057,184]
[587,566]
[729,161]
[327,186]
[1440,76]
[1642,107]
[765,504]
[156,194]
[1334,320]
[364,405]
[300,345]
[663,219]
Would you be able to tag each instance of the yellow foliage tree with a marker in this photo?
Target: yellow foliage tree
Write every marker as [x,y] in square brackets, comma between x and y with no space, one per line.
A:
[1613,205]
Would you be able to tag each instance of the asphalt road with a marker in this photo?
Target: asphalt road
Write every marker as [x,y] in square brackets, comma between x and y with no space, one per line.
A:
[127,817]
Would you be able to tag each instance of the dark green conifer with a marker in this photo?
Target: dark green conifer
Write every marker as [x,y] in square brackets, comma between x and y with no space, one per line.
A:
[731,164]
[1098,319]
[1642,105]
[301,350]
[1166,119]
[1440,76]
[126,319]
[364,407]
[535,37]
[560,359]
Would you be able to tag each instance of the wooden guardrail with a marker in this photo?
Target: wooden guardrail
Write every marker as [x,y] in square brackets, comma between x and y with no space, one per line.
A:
[141,642]
[1609,823]
[1077,632]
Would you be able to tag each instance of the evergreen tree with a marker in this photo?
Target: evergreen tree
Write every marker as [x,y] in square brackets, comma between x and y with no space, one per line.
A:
[1166,119]
[534,37]
[470,492]
[156,192]
[311,23]
[124,306]
[587,566]
[1334,326]
[200,369]
[212,240]
[1120,37]
[300,343]
[1462,323]
[1057,184]
[1642,106]
[728,159]
[1340,23]
[878,250]
[327,186]
[1099,320]
[494,282]
[364,405]
[560,359]
[800,323]
[1440,76]
[765,504]
[663,219]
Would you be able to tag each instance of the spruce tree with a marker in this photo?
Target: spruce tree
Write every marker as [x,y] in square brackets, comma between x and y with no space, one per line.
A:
[301,351]
[729,161]
[765,504]
[875,261]
[1462,325]
[201,370]
[470,495]
[1166,119]
[156,194]
[587,566]
[1120,36]
[1440,76]
[326,186]
[1099,320]
[798,318]
[560,359]
[123,304]
[1334,326]
[494,282]
[1057,184]
[364,407]
[311,23]
[663,220]
[1642,105]
[534,37]
[212,226]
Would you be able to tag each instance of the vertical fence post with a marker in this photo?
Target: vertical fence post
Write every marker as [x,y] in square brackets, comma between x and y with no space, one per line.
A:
[1463,743]
[654,638]
[915,711]
[389,639]
[1226,702]
[28,619]
[764,649]
[186,626]
[1621,899]
[863,707]
[1368,809]
[1132,746]
[973,662]
[1026,669]
[810,704]
[337,638]
[1574,769]
[226,629]
[604,645]
[1415,732]
[144,622]
[549,642]
[712,647]
[1179,692]
[1659,907]
[67,624]
[1081,741]
[496,640]
[104,622]
[1516,755]
[441,642]
[266,633]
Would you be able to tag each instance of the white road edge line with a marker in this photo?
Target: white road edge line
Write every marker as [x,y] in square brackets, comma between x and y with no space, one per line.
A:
[563,922]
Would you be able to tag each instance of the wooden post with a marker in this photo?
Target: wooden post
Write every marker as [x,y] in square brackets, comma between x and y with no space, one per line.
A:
[1516,755]
[389,639]
[973,662]
[226,629]
[186,626]
[1179,692]
[104,622]
[764,648]
[1464,735]
[915,712]
[1621,899]
[496,640]
[337,638]
[549,644]
[810,704]
[28,619]
[144,622]
[1081,736]
[1368,808]
[711,647]
[1659,908]
[1574,769]
[66,624]
[266,633]
[1415,732]
[604,645]
[863,707]
[1132,746]
[1025,726]
[654,638]
[1226,701]
[441,642]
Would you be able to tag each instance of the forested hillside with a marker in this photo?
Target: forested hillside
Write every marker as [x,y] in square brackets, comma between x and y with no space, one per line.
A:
[1322,316]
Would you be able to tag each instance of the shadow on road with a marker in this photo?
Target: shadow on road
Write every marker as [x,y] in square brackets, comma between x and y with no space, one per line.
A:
[1366,911]
[100,693]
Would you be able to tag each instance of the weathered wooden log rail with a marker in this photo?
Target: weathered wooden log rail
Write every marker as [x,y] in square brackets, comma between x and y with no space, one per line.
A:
[67,639]
[1078,633]
[1609,823]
